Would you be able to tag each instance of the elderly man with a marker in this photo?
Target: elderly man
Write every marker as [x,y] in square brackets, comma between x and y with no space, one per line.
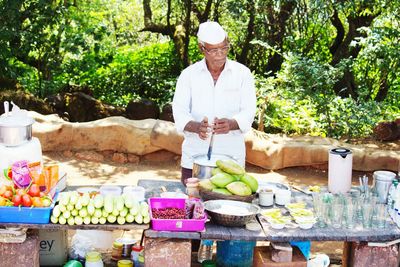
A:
[215,93]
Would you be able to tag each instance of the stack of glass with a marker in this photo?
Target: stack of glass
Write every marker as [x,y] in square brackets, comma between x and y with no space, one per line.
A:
[352,211]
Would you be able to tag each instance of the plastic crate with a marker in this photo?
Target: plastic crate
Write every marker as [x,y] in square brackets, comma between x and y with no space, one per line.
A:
[26,214]
[174,225]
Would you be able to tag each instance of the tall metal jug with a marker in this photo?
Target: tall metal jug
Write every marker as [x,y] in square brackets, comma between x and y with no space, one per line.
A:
[340,167]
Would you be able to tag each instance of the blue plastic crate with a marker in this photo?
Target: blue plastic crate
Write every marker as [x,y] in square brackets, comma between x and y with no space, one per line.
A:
[26,215]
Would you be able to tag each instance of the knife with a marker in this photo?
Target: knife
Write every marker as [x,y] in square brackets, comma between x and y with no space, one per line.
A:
[210,147]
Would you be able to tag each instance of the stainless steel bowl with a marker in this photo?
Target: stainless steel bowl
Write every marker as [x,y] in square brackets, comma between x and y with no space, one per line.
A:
[231,213]
[14,134]
[202,167]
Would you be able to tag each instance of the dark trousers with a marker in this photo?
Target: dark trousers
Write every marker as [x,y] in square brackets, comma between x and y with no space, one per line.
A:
[185,174]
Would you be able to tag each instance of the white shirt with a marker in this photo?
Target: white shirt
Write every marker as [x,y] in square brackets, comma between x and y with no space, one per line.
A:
[232,97]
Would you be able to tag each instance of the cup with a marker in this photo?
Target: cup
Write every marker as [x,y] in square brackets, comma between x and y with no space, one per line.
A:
[350,213]
[367,212]
[337,215]
[381,215]
[319,209]
[266,197]
[282,196]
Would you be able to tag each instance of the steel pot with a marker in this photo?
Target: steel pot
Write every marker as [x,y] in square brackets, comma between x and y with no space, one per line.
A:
[202,167]
[15,132]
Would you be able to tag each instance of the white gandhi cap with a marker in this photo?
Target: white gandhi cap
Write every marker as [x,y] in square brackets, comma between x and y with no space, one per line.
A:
[211,32]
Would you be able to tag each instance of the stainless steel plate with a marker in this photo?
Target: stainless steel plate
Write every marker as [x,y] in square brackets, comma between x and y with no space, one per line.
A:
[231,207]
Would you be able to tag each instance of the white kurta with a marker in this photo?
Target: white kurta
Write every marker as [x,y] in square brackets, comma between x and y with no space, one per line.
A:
[232,97]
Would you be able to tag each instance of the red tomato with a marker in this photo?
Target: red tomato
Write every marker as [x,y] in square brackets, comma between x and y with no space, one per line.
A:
[26,201]
[17,200]
[8,194]
[34,190]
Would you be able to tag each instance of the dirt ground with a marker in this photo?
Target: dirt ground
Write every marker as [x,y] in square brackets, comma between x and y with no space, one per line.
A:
[92,173]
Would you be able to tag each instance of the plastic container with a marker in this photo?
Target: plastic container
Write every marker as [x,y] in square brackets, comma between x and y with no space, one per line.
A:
[116,252]
[26,214]
[93,259]
[205,251]
[136,250]
[137,192]
[181,225]
[110,190]
[235,253]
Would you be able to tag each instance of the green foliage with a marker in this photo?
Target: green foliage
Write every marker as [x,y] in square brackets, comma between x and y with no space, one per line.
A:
[301,101]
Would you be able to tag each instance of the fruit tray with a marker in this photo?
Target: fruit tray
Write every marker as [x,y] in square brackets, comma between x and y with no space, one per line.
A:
[26,214]
[175,225]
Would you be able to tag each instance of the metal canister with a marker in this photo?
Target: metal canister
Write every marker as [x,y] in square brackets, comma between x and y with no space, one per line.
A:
[382,182]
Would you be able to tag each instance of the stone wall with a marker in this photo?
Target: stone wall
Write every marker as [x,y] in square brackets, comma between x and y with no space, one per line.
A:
[145,137]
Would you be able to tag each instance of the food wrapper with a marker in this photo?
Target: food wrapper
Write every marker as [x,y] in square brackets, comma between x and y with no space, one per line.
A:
[198,211]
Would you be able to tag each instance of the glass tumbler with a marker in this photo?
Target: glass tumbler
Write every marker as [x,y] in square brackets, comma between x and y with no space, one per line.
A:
[337,215]
[381,215]
[367,212]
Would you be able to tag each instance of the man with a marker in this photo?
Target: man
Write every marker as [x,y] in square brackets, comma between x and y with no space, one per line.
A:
[215,93]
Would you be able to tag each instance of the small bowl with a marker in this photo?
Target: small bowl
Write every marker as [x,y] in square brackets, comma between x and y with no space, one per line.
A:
[306,226]
[277,226]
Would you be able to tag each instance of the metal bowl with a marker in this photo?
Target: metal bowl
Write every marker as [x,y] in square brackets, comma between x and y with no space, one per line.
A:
[230,212]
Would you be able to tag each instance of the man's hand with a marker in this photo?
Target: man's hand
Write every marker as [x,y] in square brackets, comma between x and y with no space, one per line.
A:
[204,128]
[223,126]
[201,128]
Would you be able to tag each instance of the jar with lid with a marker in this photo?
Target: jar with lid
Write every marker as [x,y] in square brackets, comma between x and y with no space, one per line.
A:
[116,253]
[192,187]
[93,259]
[125,263]
[136,251]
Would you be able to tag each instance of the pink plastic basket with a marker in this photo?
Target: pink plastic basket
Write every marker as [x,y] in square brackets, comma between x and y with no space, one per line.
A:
[175,225]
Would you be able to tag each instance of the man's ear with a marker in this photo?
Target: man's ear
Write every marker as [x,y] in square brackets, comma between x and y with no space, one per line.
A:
[201,47]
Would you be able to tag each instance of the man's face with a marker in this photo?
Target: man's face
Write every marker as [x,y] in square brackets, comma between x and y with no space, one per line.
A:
[215,54]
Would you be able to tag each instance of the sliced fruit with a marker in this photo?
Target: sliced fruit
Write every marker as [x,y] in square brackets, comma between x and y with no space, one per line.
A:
[239,189]
[207,185]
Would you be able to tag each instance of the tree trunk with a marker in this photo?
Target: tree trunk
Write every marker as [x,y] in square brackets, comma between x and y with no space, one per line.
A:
[250,33]
[341,50]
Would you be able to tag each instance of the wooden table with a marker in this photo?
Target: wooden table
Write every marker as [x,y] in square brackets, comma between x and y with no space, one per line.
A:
[213,231]
[350,237]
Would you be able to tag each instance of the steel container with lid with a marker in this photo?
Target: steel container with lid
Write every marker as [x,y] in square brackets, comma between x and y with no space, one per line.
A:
[382,182]
[340,165]
[15,131]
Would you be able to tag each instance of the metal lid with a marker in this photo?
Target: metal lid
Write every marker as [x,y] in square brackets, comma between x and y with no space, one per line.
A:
[13,121]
